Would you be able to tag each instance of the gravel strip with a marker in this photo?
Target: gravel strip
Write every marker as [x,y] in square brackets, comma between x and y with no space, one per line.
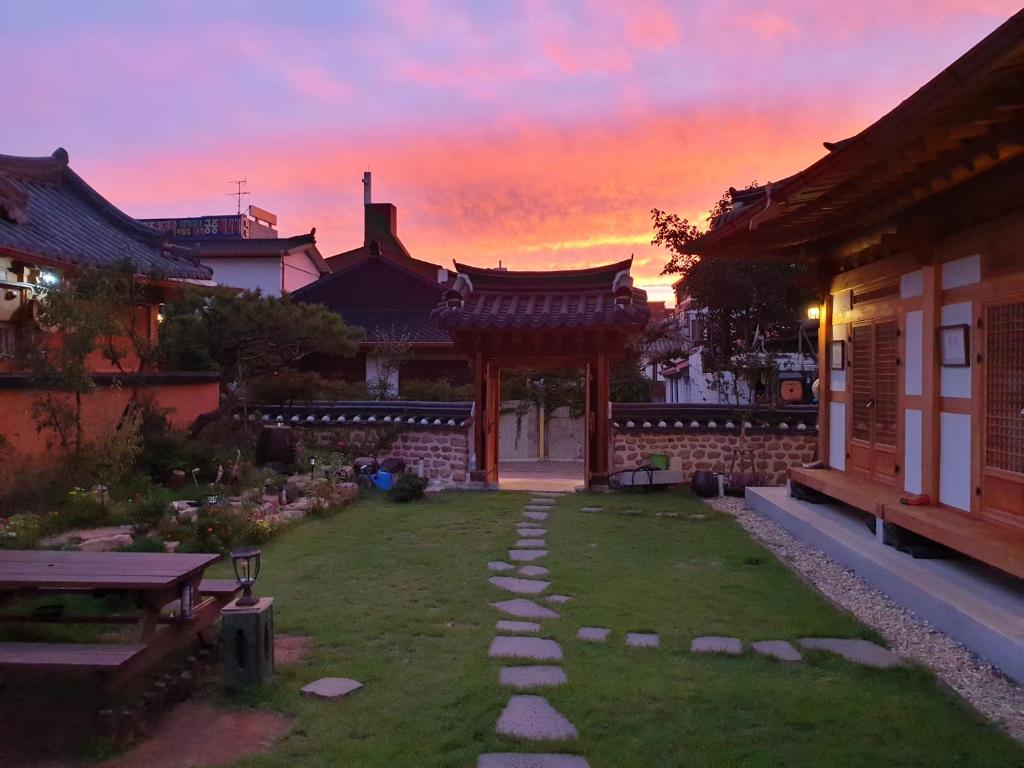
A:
[978,682]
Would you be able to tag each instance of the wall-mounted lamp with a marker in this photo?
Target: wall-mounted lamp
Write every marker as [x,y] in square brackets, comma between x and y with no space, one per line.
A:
[814,312]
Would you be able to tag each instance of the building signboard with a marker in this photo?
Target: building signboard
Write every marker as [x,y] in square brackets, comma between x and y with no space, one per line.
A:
[204,227]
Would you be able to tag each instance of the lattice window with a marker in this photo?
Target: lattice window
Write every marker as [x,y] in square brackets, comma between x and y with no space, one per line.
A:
[886,382]
[863,389]
[1004,396]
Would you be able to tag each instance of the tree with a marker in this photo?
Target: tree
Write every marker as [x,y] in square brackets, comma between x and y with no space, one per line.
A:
[246,335]
[744,302]
[389,351]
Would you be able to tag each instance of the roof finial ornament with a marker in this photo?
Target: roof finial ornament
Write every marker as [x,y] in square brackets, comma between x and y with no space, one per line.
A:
[61,156]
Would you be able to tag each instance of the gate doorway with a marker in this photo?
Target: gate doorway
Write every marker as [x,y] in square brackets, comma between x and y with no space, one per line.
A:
[506,320]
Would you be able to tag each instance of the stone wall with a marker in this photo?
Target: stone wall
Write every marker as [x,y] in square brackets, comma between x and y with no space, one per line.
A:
[776,450]
[444,450]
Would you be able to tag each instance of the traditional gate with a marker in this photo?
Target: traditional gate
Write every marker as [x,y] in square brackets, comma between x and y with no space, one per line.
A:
[562,319]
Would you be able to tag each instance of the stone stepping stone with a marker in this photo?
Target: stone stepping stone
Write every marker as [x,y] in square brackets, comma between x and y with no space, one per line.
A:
[642,640]
[591,509]
[331,687]
[549,494]
[542,501]
[536,648]
[714,644]
[531,532]
[526,555]
[499,565]
[521,760]
[522,608]
[857,651]
[533,571]
[558,599]
[531,543]
[777,649]
[592,634]
[519,586]
[531,514]
[531,717]
[517,626]
[532,677]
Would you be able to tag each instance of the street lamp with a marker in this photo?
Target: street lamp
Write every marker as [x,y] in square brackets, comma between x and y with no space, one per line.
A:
[247,569]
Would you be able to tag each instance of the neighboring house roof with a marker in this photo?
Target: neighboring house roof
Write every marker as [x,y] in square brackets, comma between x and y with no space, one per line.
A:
[348,259]
[962,123]
[383,296]
[262,247]
[601,296]
[49,213]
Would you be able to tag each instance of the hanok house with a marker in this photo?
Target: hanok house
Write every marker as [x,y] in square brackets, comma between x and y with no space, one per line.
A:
[916,228]
[244,251]
[53,224]
[382,289]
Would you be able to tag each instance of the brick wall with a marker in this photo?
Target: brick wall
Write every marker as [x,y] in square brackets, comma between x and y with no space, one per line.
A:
[444,450]
[776,451]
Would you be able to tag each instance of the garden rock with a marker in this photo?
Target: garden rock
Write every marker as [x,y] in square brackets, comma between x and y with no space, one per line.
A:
[80,536]
[858,651]
[498,566]
[526,555]
[527,531]
[295,487]
[533,571]
[521,760]
[506,625]
[531,543]
[532,677]
[534,515]
[777,649]
[538,648]
[532,717]
[592,634]
[713,644]
[642,640]
[522,608]
[542,501]
[331,687]
[519,586]
[106,543]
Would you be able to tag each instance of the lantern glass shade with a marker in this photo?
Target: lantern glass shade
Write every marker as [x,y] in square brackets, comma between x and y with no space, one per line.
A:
[247,569]
[814,312]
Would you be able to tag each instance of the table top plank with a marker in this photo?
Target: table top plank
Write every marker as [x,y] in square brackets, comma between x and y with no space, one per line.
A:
[24,569]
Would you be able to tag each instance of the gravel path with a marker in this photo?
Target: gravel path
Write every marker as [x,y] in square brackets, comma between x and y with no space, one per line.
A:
[977,681]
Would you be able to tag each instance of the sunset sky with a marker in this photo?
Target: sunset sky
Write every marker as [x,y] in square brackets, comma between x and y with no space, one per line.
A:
[537,133]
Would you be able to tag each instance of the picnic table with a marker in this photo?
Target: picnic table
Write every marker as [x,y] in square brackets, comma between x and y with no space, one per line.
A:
[174,604]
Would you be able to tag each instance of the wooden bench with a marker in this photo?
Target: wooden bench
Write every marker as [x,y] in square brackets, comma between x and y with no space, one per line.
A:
[70,656]
[220,588]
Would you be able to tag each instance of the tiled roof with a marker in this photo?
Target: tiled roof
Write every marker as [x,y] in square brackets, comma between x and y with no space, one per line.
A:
[413,326]
[66,222]
[411,413]
[677,417]
[585,298]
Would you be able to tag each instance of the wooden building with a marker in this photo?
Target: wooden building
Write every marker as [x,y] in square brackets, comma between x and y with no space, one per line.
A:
[581,318]
[52,226]
[915,228]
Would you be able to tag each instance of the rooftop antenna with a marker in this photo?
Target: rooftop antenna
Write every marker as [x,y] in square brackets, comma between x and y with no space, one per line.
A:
[239,193]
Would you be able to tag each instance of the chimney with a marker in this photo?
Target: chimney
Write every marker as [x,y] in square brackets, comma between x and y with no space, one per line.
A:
[367,196]
[380,223]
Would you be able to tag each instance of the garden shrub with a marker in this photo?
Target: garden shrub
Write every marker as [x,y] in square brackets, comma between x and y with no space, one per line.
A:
[20,531]
[408,488]
[436,390]
[149,510]
[81,509]
[144,544]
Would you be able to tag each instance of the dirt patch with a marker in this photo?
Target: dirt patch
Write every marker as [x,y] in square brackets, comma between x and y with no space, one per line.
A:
[197,734]
[291,649]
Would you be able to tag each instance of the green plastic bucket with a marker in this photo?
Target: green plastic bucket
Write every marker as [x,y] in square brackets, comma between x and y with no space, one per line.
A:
[658,460]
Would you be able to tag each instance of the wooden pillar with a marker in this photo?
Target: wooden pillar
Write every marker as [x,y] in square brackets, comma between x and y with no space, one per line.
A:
[931,406]
[602,396]
[479,474]
[824,376]
[493,417]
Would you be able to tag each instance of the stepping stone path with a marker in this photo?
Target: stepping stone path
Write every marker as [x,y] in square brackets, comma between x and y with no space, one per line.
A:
[532,677]
[519,760]
[857,651]
[529,717]
[777,649]
[533,571]
[506,625]
[519,586]
[331,687]
[558,599]
[592,634]
[526,555]
[642,640]
[712,644]
[498,565]
[536,648]
[522,608]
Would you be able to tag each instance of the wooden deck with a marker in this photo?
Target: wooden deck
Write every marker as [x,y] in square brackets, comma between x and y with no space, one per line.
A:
[995,545]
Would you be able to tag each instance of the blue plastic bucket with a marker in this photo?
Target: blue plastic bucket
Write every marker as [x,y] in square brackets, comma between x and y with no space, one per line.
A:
[382,480]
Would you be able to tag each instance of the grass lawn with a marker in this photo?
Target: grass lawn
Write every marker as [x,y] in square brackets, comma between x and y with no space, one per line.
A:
[397,597]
